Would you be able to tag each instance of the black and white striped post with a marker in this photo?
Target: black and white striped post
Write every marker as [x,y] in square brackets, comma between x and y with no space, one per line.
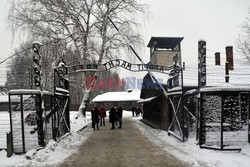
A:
[202,63]
[36,64]
[36,45]
[201,83]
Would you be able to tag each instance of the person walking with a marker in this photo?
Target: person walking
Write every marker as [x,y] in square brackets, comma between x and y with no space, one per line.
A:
[102,113]
[133,111]
[116,115]
[112,117]
[84,111]
[119,114]
[95,117]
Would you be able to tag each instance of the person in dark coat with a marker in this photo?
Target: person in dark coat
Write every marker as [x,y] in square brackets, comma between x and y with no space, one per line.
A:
[112,117]
[102,113]
[84,110]
[116,115]
[119,115]
[133,111]
[95,117]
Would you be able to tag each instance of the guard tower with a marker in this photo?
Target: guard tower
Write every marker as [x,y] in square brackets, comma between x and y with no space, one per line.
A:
[163,49]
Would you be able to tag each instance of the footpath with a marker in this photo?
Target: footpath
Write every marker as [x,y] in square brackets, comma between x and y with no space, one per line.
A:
[125,147]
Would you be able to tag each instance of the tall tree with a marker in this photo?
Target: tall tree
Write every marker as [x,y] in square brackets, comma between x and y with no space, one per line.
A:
[20,67]
[243,41]
[80,27]
[20,71]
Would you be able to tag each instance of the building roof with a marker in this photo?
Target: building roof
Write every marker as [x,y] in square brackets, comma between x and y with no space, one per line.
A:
[28,92]
[147,99]
[118,96]
[164,42]
[226,88]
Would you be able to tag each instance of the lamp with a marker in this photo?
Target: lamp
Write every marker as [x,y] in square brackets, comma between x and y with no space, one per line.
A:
[175,59]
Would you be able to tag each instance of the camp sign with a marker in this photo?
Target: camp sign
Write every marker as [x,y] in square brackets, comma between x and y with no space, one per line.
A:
[118,63]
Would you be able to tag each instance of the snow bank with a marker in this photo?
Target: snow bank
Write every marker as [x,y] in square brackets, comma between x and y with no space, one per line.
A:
[55,152]
[190,152]
[77,121]
[246,150]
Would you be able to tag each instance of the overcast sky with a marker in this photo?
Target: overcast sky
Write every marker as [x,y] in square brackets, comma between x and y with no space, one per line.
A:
[216,21]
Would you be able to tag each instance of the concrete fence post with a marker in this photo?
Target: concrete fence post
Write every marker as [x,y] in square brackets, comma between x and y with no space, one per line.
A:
[9,144]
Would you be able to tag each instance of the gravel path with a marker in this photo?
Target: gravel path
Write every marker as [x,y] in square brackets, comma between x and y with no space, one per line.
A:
[125,147]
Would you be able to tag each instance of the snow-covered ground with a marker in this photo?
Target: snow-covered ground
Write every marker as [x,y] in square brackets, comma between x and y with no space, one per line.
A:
[190,152]
[54,153]
[4,127]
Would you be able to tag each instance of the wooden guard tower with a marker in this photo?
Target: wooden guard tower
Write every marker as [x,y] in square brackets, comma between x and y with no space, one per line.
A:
[163,49]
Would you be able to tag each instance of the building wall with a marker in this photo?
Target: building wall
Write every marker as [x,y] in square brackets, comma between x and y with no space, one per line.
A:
[164,57]
[152,114]
[165,113]
[4,106]
[156,113]
[125,105]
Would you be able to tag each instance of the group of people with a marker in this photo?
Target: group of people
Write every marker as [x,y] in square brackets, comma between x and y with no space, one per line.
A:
[136,111]
[98,116]
[115,115]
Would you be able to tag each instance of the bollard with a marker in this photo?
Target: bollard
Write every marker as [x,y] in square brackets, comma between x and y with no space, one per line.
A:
[9,144]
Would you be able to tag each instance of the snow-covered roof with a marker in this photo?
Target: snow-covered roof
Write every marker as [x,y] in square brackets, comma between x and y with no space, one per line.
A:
[4,98]
[28,91]
[146,100]
[226,87]
[118,96]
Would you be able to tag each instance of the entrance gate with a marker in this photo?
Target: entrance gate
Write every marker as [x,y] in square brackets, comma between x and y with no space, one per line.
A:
[58,113]
[28,127]
[38,116]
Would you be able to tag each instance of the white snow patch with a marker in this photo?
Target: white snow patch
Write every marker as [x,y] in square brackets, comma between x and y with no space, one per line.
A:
[118,96]
[246,150]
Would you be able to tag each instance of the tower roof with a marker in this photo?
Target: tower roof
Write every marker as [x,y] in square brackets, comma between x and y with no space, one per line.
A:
[164,42]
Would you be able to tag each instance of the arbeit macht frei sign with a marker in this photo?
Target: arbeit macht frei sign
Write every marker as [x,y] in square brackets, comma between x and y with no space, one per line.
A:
[118,63]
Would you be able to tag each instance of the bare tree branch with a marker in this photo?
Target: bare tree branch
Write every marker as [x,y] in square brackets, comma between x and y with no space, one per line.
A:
[243,41]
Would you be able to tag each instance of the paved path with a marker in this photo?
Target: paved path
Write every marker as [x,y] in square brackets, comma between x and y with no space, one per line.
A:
[125,147]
